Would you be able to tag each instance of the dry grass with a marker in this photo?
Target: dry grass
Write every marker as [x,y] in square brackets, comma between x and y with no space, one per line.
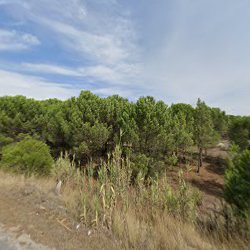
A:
[140,216]
[165,233]
[143,215]
[12,181]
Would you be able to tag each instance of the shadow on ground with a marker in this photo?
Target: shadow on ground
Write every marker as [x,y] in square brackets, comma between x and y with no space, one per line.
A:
[216,165]
[209,187]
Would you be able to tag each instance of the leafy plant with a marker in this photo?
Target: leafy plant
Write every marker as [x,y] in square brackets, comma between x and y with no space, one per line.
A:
[237,181]
[28,156]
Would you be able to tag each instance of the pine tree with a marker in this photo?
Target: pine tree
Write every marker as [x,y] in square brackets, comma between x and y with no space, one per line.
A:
[203,129]
[237,180]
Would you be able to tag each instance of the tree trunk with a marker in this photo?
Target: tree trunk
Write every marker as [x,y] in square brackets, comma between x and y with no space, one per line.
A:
[199,160]
[200,156]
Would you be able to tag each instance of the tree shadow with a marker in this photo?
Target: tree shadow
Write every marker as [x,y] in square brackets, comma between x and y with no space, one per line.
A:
[217,165]
[209,187]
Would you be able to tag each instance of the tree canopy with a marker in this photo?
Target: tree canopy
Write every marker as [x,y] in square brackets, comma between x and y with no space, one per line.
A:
[89,126]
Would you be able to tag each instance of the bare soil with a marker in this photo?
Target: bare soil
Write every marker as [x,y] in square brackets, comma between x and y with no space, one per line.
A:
[209,181]
[25,210]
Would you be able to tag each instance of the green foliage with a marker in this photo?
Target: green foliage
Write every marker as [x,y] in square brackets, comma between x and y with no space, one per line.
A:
[4,140]
[237,180]
[151,118]
[140,163]
[239,131]
[21,115]
[180,137]
[89,140]
[89,126]
[172,160]
[187,199]
[220,121]
[204,133]
[203,125]
[111,191]
[185,110]
[145,166]
[28,156]
[119,115]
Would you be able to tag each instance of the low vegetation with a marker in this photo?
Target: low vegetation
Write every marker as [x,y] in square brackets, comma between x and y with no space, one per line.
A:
[146,214]
[28,156]
[113,158]
[237,181]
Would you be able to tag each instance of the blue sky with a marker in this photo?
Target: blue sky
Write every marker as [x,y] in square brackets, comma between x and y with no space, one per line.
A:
[175,50]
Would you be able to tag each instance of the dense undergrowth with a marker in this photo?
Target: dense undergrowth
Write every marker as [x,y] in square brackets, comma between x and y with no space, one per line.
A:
[146,213]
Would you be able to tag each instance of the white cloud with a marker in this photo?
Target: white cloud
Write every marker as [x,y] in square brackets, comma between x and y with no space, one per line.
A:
[50,69]
[187,49]
[116,75]
[13,40]
[12,83]
[122,74]
[100,36]
[18,84]
[103,48]
[203,55]
[99,32]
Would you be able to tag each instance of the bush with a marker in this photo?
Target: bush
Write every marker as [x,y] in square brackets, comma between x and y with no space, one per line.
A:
[140,163]
[28,156]
[172,160]
[146,166]
[4,140]
[237,181]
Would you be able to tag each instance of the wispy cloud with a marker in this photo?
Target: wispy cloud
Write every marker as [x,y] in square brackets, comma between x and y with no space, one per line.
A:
[36,87]
[174,50]
[50,69]
[105,48]
[122,74]
[99,36]
[13,40]
[106,36]
[12,83]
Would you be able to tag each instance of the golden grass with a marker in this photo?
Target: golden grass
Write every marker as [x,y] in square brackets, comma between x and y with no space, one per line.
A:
[14,181]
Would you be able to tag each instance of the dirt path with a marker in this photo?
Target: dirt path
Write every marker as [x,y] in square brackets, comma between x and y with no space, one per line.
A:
[31,219]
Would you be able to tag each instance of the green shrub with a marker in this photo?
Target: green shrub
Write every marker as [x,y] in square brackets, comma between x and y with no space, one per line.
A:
[28,156]
[140,163]
[172,160]
[4,140]
[237,181]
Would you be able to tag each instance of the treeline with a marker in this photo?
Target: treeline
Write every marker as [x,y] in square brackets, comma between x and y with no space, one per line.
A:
[88,127]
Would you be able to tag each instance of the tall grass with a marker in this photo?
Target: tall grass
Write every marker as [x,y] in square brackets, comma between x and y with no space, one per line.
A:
[105,196]
[146,213]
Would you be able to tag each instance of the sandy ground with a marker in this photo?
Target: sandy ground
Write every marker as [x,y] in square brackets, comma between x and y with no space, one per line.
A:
[32,219]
